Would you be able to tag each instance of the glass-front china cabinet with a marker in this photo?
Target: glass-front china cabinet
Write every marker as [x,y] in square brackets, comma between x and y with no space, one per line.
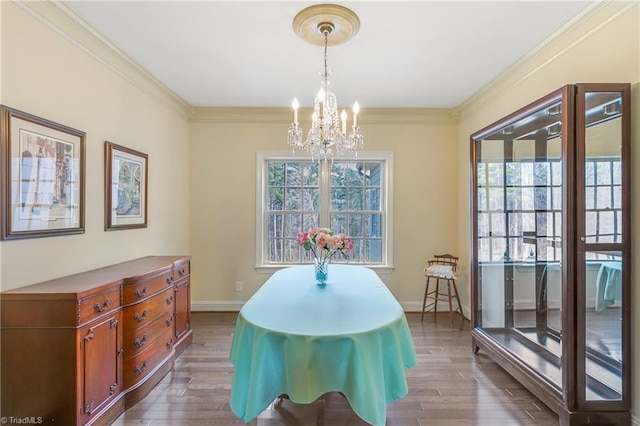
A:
[551,257]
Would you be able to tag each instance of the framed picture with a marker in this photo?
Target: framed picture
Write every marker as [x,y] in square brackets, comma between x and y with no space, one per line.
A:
[125,188]
[43,174]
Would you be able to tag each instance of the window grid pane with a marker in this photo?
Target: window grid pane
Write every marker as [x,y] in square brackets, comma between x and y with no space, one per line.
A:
[292,205]
[356,207]
[355,192]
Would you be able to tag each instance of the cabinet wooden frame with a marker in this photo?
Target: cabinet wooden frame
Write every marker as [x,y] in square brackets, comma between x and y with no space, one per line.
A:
[125,187]
[43,176]
[568,382]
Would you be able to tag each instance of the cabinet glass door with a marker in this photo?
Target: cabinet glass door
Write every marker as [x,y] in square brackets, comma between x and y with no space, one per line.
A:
[603,241]
[519,235]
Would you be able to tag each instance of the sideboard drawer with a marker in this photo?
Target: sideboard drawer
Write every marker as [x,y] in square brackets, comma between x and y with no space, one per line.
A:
[181,270]
[98,304]
[137,340]
[136,292]
[138,367]
[142,313]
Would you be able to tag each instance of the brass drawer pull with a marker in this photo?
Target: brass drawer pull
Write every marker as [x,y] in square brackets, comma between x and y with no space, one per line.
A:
[140,369]
[169,321]
[170,343]
[139,317]
[140,342]
[169,300]
[102,308]
[181,272]
[170,281]
[141,293]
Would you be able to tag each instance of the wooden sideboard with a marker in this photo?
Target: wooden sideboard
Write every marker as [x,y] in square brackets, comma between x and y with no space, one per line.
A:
[79,350]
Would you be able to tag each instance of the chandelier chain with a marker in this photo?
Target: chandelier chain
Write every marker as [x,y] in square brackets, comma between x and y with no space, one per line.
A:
[326,43]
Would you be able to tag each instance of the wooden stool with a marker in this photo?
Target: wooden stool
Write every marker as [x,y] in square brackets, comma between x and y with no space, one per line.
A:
[442,267]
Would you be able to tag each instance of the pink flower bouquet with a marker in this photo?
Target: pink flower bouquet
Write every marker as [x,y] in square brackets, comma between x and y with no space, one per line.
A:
[324,243]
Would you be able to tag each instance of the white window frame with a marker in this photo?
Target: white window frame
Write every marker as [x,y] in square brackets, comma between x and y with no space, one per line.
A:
[386,266]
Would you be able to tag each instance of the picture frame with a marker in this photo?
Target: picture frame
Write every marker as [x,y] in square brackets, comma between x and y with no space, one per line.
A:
[43,176]
[126,176]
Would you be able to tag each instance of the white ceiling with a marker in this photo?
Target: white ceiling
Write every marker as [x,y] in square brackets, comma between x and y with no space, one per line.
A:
[407,53]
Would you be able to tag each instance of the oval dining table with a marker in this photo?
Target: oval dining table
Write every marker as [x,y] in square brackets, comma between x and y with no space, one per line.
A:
[297,338]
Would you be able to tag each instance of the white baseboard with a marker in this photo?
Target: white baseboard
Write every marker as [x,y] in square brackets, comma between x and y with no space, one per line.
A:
[231,306]
[234,306]
[411,306]
[635,421]
[407,306]
[417,307]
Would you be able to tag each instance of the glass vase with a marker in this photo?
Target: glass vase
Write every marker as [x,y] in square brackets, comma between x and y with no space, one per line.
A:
[321,268]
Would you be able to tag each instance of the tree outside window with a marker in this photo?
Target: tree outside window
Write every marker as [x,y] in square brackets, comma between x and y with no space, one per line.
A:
[350,196]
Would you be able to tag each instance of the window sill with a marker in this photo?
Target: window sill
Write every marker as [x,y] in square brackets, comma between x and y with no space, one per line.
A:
[270,269]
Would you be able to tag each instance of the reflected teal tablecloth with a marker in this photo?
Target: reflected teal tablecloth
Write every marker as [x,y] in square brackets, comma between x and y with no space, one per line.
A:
[298,338]
[608,285]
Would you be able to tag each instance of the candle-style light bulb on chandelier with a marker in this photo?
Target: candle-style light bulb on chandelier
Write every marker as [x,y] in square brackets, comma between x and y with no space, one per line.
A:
[326,24]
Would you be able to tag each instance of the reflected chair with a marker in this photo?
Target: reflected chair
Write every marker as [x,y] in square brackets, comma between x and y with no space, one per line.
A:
[442,267]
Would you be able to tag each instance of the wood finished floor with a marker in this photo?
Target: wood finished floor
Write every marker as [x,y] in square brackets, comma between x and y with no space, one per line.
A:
[448,387]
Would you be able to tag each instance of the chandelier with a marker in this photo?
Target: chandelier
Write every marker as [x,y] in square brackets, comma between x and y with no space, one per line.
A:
[326,24]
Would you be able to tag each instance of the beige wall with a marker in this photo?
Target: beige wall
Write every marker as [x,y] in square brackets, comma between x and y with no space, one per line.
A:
[47,75]
[224,144]
[605,47]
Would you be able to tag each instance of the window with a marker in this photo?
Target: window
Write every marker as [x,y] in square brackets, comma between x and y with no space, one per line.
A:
[350,196]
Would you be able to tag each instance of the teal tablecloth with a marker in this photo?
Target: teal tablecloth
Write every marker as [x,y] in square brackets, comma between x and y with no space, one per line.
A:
[298,338]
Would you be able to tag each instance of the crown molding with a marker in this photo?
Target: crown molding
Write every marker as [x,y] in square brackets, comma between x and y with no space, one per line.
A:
[588,22]
[284,115]
[61,19]
[409,116]
[241,115]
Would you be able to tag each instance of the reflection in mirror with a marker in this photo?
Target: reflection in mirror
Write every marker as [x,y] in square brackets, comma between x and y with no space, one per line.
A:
[603,326]
[491,231]
[603,170]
